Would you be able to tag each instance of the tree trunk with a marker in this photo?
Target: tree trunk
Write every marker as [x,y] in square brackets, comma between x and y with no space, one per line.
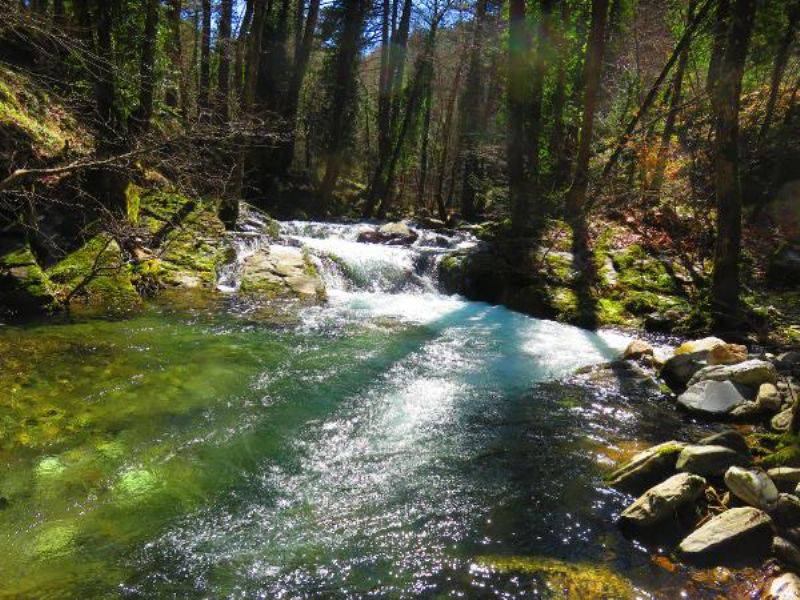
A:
[253,59]
[204,91]
[726,101]
[441,208]
[576,196]
[781,60]
[470,126]
[144,112]
[224,49]
[384,99]
[560,160]
[423,152]
[241,45]
[518,112]
[176,91]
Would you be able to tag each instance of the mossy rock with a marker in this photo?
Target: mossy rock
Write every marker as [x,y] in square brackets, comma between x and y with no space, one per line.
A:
[786,453]
[97,274]
[638,270]
[24,286]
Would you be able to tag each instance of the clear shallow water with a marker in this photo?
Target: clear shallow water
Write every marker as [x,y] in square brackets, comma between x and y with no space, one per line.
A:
[394,442]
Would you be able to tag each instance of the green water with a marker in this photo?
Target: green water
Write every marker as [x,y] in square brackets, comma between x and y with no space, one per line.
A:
[382,446]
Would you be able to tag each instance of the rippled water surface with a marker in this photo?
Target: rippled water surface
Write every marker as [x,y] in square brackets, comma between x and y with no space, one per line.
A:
[394,442]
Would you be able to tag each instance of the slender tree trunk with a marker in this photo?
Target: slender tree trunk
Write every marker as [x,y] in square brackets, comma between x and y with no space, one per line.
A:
[726,101]
[175,87]
[576,196]
[471,130]
[58,12]
[204,91]
[384,98]
[253,60]
[423,152]
[441,208]
[781,60]
[518,112]
[144,112]
[557,144]
[224,48]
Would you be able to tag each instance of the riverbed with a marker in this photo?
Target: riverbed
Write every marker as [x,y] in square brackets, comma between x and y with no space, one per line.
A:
[391,442]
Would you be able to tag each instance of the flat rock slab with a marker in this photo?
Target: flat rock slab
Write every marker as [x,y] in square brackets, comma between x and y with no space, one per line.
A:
[713,397]
[730,439]
[752,373]
[708,461]
[647,467]
[661,502]
[722,539]
[785,587]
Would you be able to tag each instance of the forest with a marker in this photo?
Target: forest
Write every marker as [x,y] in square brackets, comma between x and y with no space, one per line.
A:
[400,298]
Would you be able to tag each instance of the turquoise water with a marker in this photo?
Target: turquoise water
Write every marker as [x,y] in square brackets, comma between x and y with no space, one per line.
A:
[388,444]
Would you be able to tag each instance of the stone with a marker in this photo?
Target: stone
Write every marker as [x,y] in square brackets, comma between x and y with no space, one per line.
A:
[747,411]
[713,397]
[647,467]
[768,397]
[738,530]
[787,511]
[281,271]
[393,234]
[751,372]
[786,552]
[784,267]
[730,439]
[637,349]
[662,501]
[677,370]
[785,587]
[708,461]
[727,354]
[752,486]
[789,361]
[782,420]
[785,478]
[704,345]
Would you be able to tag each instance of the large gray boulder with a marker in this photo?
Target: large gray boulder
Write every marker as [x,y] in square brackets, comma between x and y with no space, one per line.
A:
[281,272]
[662,501]
[713,398]
[687,359]
[708,461]
[785,587]
[647,467]
[726,536]
[751,372]
[752,486]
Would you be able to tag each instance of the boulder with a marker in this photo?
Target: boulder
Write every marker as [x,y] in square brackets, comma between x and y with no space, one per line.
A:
[748,411]
[393,234]
[677,370]
[708,461]
[752,486]
[281,271]
[782,420]
[768,398]
[786,511]
[730,439]
[786,552]
[789,361]
[785,478]
[751,372]
[647,467]
[727,354]
[637,349]
[704,346]
[785,587]
[713,398]
[662,501]
[727,536]
[784,267]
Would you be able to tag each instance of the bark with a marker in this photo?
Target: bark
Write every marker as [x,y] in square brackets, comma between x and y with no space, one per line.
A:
[176,91]
[203,93]
[253,59]
[241,46]
[384,99]
[779,67]
[518,104]
[274,62]
[470,126]
[576,196]
[58,12]
[144,111]
[105,88]
[557,144]
[224,49]
[726,101]
[448,121]
[423,152]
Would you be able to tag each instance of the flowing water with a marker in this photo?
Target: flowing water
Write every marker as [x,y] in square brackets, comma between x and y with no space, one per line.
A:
[394,442]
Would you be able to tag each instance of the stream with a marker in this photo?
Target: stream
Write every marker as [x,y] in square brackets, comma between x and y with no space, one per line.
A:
[392,442]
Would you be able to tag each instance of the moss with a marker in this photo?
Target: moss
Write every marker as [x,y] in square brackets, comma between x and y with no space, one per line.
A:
[564,580]
[24,285]
[611,312]
[638,270]
[133,202]
[786,453]
[97,274]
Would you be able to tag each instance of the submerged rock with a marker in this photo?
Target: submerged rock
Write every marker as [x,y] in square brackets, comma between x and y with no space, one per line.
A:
[713,397]
[753,487]
[728,536]
[708,461]
[751,372]
[662,501]
[785,587]
[647,467]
